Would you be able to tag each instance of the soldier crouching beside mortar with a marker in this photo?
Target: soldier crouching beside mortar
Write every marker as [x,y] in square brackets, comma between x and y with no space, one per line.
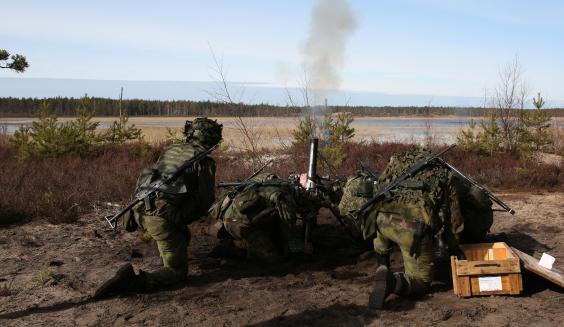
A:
[261,216]
[262,213]
[165,215]
[422,216]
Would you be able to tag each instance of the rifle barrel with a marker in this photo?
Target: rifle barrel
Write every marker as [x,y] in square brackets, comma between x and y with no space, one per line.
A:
[473,182]
[409,173]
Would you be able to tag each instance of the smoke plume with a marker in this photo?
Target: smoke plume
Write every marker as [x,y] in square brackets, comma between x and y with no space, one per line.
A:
[332,22]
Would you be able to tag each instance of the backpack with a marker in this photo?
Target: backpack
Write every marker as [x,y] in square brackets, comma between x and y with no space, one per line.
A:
[245,200]
[358,189]
[442,199]
[476,209]
[196,184]
[420,197]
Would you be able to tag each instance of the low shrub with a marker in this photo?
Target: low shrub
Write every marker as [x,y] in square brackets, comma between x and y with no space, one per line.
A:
[49,138]
[61,189]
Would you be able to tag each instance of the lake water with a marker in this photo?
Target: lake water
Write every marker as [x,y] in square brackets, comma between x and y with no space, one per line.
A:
[11,127]
[379,129]
[387,123]
[413,122]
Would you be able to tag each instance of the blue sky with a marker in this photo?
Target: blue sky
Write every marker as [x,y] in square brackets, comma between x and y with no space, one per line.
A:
[432,48]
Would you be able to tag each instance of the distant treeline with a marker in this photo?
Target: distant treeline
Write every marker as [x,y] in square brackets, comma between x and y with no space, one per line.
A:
[29,107]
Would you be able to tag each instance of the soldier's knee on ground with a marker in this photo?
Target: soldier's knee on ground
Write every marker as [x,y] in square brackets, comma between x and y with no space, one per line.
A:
[172,242]
[418,272]
[174,253]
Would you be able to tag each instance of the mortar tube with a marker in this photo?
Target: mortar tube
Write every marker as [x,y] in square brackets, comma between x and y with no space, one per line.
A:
[312,166]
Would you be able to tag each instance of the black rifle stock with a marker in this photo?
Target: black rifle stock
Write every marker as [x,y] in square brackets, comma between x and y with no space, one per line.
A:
[383,192]
[148,191]
[473,182]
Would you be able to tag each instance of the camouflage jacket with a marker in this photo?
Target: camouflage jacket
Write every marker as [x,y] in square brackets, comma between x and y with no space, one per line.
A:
[196,184]
[429,196]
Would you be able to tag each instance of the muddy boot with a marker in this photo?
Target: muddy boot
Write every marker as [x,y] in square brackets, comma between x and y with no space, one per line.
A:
[117,284]
[384,286]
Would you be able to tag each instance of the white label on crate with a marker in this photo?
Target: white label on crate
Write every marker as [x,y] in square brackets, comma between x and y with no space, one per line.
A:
[547,261]
[487,284]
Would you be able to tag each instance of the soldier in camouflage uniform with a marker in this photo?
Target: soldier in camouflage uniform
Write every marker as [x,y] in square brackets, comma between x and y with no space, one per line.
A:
[357,190]
[175,206]
[426,205]
[262,217]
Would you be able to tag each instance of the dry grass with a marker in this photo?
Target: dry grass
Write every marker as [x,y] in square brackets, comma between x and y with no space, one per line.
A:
[557,134]
[61,189]
[498,171]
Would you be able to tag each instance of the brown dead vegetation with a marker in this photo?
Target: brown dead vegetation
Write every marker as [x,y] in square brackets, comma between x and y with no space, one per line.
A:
[60,189]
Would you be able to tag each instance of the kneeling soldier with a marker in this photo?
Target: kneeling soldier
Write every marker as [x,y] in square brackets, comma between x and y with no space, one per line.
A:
[165,217]
[262,218]
[416,216]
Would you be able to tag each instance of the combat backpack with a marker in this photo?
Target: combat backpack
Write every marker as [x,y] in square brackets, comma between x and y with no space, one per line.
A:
[420,197]
[196,184]
[476,209]
[244,199]
[358,189]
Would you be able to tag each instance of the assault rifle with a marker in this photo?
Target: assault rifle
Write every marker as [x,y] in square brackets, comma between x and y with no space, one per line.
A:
[239,186]
[475,184]
[385,190]
[149,191]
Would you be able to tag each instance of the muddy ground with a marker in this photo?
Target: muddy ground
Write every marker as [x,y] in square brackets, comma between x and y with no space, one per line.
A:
[47,273]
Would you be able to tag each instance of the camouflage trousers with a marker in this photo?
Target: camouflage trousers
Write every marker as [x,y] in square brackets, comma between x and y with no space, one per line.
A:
[166,224]
[265,243]
[418,269]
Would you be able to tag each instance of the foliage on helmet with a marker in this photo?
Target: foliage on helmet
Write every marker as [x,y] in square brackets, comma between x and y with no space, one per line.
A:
[400,162]
[203,130]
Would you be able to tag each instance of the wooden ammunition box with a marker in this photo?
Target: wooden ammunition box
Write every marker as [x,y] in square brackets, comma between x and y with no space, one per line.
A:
[490,269]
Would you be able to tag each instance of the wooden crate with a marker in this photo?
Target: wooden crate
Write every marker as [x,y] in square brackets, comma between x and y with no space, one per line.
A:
[490,269]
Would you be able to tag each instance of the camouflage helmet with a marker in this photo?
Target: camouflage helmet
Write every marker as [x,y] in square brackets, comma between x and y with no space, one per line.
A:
[203,130]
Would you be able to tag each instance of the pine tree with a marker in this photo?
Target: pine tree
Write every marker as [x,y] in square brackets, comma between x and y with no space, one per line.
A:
[18,62]
[536,123]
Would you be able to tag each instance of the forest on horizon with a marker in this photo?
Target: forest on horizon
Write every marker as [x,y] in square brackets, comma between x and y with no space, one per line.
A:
[64,106]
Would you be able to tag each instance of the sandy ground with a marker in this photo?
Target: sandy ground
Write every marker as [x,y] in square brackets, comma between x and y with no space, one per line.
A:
[47,273]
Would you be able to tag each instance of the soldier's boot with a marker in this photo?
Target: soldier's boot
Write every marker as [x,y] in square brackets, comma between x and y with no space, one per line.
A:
[386,284]
[119,283]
